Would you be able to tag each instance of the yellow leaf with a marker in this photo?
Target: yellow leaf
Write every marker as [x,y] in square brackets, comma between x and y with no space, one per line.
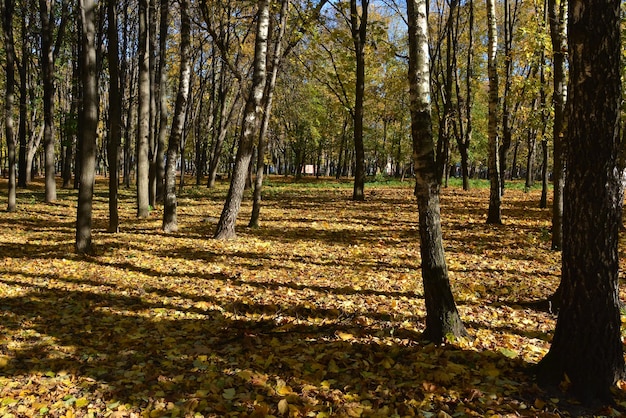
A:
[282,388]
[283,407]
[4,361]
[81,402]
[345,336]
[539,404]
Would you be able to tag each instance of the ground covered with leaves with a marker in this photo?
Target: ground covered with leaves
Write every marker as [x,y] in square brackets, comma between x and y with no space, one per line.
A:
[317,313]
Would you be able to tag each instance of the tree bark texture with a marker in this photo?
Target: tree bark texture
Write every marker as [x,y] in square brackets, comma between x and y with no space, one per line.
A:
[226,225]
[587,347]
[7,22]
[163,108]
[143,115]
[90,123]
[115,116]
[170,223]
[47,78]
[442,317]
[267,111]
[23,142]
[359,36]
[557,12]
[495,193]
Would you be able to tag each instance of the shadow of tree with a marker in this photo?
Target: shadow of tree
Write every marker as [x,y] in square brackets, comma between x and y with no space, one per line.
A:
[123,350]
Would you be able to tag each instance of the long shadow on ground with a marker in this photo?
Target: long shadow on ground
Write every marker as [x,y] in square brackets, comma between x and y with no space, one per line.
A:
[122,350]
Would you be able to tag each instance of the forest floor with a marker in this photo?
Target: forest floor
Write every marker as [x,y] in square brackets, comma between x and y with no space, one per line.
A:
[317,313]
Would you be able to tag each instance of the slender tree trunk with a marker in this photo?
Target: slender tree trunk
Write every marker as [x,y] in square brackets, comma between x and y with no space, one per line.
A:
[7,21]
[495,194]
[587,346]
[22,181]
[557,11]
[268,97]
[115,116]
[442,317]
[154,91]
[162,76]
[90,123]
[143,115]
[359,36]
[543,201]
[47,77]
[170,223]
[510,17]
[226,225]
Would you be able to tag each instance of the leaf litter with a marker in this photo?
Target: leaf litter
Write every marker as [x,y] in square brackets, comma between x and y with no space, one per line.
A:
[317,313]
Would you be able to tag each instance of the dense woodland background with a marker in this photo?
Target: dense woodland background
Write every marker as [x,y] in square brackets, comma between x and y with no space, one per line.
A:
[317,73]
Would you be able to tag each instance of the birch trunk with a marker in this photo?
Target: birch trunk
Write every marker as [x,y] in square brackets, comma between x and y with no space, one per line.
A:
[442,317]
[226,225]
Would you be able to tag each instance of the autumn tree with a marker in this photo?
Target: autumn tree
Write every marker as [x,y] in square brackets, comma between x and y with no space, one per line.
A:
[268,97]
[7,8]
[358,28]
[587,349]
[143,114]
[115,114]
[49,50]
[557,12]
[170,223]
[442,317]
[495,194]
[89,126]
[226,225]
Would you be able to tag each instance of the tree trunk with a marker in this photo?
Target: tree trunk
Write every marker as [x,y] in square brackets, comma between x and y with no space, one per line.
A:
[587,345]
[170,223]
[557,11]
[90,123]
[543,201]
[495,194]
[162,76]
[442,317]
[47,78]
[143,115]
[153,126]
[268,97]
[226,225]
[359,36]
[115,116]
[22,181]
[7,21]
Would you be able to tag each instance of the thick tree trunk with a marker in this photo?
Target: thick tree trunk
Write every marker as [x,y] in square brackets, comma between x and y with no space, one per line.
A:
[143,115]
[495,193]
[7,22]
[90,123]
[557,11]
[226,225]
[115,116]
[587,345]
[170,222]
[442,317]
